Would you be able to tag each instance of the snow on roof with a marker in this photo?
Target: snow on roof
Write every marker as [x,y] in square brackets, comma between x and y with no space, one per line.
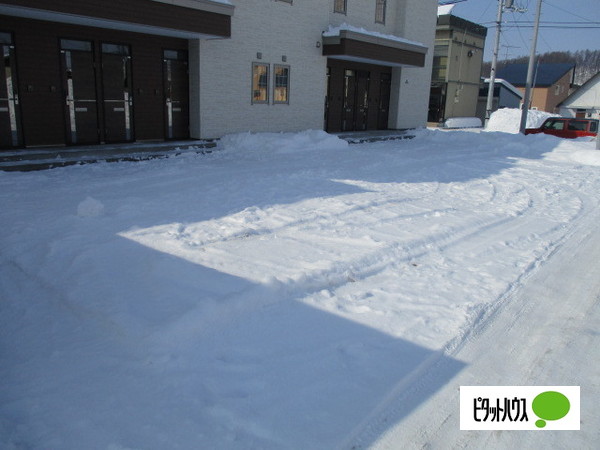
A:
[335,31]
[445,9]
[507,85]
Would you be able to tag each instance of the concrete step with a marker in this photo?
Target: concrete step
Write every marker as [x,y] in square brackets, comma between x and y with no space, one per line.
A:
[52,157]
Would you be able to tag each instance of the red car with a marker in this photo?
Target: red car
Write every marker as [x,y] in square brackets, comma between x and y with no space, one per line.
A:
[567,127]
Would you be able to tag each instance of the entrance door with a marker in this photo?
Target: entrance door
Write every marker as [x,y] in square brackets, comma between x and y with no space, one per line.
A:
[385,86]
[10,133]
[356,100]
[349,100]
[362,100]
[117,93]
[80,87]
[175,68]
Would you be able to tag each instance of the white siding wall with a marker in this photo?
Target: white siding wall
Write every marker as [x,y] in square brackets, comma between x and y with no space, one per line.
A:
[361,13]
[275,29]
[411,86]
[220,70]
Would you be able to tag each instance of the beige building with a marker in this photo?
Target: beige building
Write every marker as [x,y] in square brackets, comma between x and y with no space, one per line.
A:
[551,83]
[457,61]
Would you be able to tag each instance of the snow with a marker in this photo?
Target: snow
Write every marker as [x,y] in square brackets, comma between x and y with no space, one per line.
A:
[90,207]
[506,84]
[335,31]
[445,9]
[463,122]
[508,119]
[292,291]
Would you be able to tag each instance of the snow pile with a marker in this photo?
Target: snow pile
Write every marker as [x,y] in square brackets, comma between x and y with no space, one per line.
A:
[508,120]
[310,140]
[572,151]
[463,122]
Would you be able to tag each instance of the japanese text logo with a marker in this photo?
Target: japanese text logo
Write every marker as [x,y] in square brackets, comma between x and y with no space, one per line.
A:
[519,408]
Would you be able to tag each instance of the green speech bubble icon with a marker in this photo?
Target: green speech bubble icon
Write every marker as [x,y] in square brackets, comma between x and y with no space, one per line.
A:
[550,405]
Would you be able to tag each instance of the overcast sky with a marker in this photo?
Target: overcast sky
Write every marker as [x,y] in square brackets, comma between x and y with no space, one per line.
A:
[565,25]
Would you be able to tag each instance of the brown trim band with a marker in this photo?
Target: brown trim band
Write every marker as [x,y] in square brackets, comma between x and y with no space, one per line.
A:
[141,12]
[358,50]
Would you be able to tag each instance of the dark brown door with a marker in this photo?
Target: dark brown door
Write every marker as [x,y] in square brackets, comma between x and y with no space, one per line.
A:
[349,100]
[175,67]
[362,100]
[117,93]
[385,85]
[10,130]
[79,79]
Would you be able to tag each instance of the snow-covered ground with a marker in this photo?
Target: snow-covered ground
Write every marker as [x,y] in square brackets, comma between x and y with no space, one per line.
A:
[291,291]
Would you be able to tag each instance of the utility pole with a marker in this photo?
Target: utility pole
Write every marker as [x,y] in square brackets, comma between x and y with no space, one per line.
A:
[525,109]
[502,4]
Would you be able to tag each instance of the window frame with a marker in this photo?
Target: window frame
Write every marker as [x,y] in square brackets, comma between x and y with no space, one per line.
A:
[253,87]
[380,11]
[340,8]
[287,86]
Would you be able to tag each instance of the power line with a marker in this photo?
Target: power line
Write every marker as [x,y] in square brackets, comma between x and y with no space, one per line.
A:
[556,27]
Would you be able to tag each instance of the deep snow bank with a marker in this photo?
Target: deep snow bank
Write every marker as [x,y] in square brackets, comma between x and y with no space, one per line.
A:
[508,120]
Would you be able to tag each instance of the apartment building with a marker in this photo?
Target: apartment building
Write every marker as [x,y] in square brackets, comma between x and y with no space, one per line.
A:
[86,72]
[457,60]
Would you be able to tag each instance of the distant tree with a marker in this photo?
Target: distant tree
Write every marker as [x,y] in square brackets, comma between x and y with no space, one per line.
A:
[587,63]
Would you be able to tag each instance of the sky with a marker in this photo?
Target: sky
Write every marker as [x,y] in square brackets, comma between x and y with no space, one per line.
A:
[565,25]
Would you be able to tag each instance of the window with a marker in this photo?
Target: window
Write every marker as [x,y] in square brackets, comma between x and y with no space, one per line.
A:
[339,6]
[260,83]
[440,66]
[555,125]
[5,38]
[115,49]
[577,125]
[380,11]
[281,87]
[70,44]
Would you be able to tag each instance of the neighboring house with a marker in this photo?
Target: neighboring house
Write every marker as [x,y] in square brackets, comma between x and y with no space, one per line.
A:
[551,83]
[584,102]
[457,61]
[505,96]
[88,72]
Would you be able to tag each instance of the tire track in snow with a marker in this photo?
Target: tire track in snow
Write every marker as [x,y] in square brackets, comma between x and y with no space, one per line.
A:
[407,390]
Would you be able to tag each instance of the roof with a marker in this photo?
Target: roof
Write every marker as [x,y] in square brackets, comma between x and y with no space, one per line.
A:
[581,90]
[546,74]
[506,84]
[458,23]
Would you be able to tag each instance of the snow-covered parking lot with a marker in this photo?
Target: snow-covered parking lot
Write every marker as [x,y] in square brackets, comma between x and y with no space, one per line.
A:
[292,291]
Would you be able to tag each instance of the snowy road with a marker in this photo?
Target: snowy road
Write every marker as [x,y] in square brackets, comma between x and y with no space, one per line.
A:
[292,292]
[544,333]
